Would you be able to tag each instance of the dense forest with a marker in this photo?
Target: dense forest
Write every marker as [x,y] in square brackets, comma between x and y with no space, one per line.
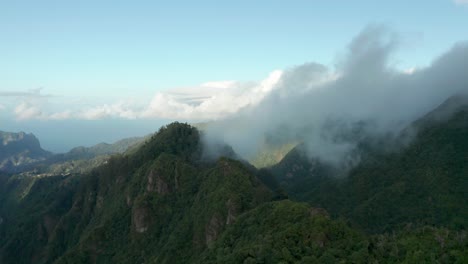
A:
[165,202]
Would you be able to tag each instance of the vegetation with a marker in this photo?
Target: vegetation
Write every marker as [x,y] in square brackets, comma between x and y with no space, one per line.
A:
[271,154]
[164,203]
[289,232]
[423,184]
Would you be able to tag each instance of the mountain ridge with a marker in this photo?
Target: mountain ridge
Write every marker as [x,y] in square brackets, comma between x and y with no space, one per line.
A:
[19,149]
[388,188]
[165,202]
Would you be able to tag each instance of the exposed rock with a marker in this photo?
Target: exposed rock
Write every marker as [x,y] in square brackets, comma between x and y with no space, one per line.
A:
[226,167]
[49,223]
[151,185]
[129,200]
[18,149]
[321,240]
[91,197]
[157,183]
[213,229]
[120,179]
[233,212]
[162,186]
[141,219]
[318,211]
[176,179]
[99,201]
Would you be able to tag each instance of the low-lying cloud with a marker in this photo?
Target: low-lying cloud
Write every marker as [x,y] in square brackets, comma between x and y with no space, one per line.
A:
[322,107]
[208,101]
[310,103]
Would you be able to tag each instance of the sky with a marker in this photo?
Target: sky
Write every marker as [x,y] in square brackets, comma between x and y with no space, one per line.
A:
[82,72]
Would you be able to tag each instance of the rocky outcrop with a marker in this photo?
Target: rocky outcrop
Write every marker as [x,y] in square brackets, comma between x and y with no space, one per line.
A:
[99,201]
[213,229]
[49,222]
[157,183]
[18,149]
[318,211]
[128,200]
[162,187]
[151,184]
[141,219]
[232,211]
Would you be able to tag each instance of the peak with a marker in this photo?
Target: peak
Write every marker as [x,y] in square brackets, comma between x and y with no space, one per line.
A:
[9,137]
[180,139]
[17,149]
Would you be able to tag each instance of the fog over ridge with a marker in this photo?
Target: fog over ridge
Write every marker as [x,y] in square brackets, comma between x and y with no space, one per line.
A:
[315,105]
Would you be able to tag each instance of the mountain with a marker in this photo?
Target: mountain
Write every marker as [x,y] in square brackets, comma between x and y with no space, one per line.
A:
[80,159]
[422,183]
[19,149]
[271,154]
[84,159]
[157,197]
[291,232]
[104,148]
[164,202]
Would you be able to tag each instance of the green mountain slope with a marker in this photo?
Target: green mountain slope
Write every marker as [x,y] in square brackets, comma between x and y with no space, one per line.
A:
[424,183]
[119,146]
[290,232]
[164,203]
[160,197]
[82,159]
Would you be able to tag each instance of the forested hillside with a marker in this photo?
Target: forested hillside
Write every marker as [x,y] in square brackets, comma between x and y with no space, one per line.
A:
[422,183]
[166,203]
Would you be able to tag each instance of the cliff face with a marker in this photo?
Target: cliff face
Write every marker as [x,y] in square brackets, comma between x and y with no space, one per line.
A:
[17,149]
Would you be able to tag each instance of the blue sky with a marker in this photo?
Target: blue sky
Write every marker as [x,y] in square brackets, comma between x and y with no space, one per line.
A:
[85,54]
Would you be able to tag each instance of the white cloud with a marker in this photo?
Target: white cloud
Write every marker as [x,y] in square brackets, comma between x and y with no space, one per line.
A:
[220,99]
[26,111]
[119,110]
[366,93]
[34,110]
[219,84]
[410,70]
[67,114]
[207,101]
[210,100]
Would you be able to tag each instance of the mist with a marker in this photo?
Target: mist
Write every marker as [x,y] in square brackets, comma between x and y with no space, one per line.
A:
[320,107]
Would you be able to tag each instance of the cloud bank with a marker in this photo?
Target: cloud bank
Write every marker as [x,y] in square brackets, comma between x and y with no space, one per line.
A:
[365,93]
[208,101]
[310,103]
